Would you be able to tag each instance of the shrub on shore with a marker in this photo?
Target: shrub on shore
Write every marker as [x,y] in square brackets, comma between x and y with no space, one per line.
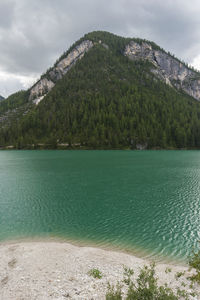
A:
[95,273]
[145,288]
[194,263]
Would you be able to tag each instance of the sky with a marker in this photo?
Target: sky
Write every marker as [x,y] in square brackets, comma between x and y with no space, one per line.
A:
[34,33]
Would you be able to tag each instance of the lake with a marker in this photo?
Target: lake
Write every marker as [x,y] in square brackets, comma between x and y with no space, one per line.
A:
[147,202]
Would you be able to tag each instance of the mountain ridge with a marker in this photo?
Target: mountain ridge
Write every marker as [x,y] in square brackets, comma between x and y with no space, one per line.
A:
[107,91]
[133,48]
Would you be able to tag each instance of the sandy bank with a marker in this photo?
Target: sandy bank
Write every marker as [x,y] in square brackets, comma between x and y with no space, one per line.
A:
[54,270]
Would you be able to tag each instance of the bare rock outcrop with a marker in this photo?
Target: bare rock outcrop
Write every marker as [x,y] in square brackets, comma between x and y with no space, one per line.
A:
[40,89]
[44,85]
[65,64]
[166,67]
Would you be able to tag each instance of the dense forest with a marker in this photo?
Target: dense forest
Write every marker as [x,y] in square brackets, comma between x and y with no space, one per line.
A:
[105,101]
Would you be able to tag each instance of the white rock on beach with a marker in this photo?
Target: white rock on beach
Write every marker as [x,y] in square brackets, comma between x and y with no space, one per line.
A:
[41,270]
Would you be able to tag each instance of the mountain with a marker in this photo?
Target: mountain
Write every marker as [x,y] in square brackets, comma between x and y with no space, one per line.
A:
[1,98]
[107,91]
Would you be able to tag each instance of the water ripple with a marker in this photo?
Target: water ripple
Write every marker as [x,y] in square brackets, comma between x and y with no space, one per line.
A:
[147,201]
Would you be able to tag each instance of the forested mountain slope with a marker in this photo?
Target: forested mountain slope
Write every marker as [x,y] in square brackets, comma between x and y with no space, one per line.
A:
[107,92]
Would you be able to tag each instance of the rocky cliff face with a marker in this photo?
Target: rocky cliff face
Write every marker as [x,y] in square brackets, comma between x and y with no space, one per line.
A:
[43,86]
[65,64]
[40,89]
[167,68]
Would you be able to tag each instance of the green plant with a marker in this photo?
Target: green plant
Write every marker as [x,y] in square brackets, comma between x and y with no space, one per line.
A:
[114,293]
[179,274]
[145,288]
[95,273]
[194,263]
[127,275]
[183,284]
[182,294]
[168,270]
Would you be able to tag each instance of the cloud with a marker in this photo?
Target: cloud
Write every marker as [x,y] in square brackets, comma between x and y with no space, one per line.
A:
[34,33]
[7,13]
[10,82]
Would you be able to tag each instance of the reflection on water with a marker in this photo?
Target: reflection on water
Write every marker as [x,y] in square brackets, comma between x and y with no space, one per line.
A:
[146,200]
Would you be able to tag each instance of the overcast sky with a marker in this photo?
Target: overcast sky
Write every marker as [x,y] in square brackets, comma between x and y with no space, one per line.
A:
[34,33]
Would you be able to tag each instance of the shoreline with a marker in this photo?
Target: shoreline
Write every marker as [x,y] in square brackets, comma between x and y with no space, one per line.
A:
[49,269]
[85,148]
[137,252]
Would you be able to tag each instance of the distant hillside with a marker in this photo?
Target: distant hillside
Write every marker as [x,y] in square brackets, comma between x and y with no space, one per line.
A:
[107,91]
[1,98]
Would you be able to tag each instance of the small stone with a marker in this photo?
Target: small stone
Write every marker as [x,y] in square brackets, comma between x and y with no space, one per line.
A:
[66,295]
[4,280]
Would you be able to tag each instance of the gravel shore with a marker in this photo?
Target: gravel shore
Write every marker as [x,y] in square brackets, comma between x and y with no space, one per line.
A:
[58,270]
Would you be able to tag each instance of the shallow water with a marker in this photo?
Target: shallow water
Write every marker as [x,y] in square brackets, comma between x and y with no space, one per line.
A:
[145,201]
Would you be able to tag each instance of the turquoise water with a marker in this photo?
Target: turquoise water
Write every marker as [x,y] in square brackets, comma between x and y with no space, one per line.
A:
[138,200]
